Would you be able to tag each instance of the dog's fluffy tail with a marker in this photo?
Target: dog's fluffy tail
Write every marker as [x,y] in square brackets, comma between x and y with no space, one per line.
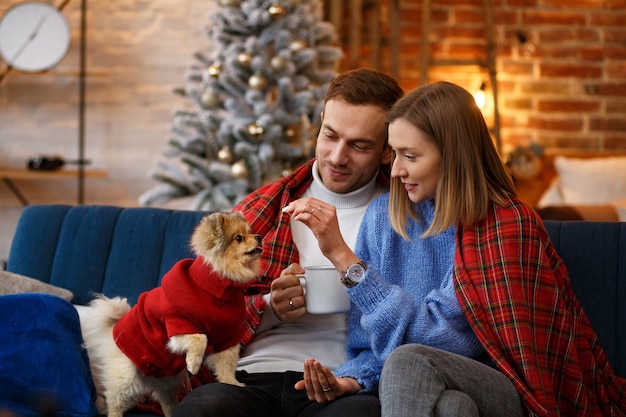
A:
[96,321]
[99,317]
[107,311]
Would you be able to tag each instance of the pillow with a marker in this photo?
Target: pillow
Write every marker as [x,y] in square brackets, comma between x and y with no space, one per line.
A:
[551,196]
[11,283]
[44,368]
[593,181]
[620,208]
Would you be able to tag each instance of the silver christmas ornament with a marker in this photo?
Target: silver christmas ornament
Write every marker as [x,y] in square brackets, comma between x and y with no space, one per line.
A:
[210,100]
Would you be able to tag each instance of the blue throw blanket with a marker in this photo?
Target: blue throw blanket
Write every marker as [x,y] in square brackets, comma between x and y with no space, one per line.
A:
[44,370]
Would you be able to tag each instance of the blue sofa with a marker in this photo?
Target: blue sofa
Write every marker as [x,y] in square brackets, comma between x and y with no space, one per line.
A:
[125,251]
[87,250]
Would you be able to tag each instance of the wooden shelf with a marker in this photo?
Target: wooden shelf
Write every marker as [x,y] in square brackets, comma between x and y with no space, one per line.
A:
[7,175]
[29,174]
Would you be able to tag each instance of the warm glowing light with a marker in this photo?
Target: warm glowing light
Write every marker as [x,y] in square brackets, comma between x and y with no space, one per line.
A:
[479,96]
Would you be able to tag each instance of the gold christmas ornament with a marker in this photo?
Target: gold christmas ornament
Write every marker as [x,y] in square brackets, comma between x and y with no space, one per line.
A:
[276,10]
[210,100]
[297,45]
[225,155]
[278,63]
[292,135]
[229,3]
[244,59]
[255,131]
[239,170]
[215,69]
[257,82]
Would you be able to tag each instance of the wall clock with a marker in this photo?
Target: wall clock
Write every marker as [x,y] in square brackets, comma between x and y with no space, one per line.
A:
[34,36]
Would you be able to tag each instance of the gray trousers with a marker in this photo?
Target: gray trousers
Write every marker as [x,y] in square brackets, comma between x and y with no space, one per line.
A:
[421,381]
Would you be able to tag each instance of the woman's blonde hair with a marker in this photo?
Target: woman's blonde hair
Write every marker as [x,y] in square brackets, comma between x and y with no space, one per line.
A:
[471,171]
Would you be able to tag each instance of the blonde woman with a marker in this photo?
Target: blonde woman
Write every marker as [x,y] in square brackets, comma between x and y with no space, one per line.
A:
[458,290]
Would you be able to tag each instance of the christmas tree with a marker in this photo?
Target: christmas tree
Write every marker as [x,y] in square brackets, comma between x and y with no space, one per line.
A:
[254,97]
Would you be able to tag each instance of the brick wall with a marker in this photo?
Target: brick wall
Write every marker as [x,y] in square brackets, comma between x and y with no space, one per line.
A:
[568,93]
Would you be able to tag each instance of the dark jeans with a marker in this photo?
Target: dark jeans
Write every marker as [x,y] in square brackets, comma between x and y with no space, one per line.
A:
[270,395]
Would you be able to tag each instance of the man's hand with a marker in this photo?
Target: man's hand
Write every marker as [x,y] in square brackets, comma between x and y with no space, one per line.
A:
[322,386]
[286,294]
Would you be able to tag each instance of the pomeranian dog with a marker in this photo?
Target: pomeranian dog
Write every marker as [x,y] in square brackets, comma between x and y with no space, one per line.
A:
[195,317]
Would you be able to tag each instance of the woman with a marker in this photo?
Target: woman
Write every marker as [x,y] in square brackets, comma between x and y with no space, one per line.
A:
[462,275]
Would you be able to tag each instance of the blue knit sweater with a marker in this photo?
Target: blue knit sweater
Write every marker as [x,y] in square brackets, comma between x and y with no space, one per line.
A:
[406,296]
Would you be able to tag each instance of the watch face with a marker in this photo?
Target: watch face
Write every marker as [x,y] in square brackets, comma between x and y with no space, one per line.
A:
[34,36]
[356,272]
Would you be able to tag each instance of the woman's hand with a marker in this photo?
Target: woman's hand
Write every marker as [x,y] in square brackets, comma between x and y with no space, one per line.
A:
[286,294]
[322,386]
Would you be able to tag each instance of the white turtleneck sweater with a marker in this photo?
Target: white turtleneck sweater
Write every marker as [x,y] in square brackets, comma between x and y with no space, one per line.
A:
[280,347]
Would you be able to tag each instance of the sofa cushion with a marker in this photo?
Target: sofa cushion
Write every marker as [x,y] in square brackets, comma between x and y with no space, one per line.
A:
[11,283]
[620,208]
[44,369]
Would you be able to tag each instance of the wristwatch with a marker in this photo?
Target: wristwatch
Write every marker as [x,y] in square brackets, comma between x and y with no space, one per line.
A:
[354,274]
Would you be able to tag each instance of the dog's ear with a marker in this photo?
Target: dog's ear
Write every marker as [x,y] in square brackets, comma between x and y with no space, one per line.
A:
[209,234]
[239,214]
[217,221]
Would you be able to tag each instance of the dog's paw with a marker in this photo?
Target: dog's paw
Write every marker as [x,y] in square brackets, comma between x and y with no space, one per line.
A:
[194,362]
[192,346]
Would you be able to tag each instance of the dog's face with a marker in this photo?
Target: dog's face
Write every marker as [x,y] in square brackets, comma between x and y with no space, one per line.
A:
[226,241]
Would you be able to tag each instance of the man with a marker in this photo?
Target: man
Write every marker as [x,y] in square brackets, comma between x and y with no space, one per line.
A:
[351,167]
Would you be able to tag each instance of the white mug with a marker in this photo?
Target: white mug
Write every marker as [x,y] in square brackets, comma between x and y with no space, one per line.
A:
[323,291]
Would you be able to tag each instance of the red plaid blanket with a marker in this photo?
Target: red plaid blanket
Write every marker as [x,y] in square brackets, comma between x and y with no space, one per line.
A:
[516,293]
